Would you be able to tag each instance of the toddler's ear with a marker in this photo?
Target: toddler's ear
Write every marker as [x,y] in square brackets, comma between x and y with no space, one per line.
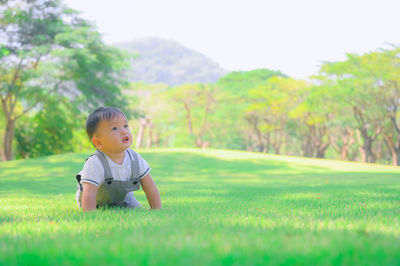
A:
[96,142]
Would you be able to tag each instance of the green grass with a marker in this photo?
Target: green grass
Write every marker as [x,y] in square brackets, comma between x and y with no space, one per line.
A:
[219,208]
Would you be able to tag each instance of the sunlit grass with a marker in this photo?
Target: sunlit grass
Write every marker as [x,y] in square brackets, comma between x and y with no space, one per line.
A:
[219,207]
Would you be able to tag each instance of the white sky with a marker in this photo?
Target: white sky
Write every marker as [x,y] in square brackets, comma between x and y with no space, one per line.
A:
[288,35]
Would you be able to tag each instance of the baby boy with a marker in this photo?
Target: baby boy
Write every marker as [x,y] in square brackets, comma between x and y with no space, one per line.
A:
[114,171]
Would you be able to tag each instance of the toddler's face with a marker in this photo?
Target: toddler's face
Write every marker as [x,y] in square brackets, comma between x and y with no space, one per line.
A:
[113,135]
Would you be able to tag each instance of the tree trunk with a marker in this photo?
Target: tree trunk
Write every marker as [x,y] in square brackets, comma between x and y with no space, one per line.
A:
[3,155]
[150,137]
[317,134]
[265,146]
[277,147]
[343,154]
[157,139]
[321,149]
[277,142]
[371,158]
[142,128]
[363,153]
[8,138]
[189,118]
[394,149]
[363,158]
[199,142]
[205,145]
[307,148]
[348,140]
[347,143]
[395,157]
[367,155]
[260,145]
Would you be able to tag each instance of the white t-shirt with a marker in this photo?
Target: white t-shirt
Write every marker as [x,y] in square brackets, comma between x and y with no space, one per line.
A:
[93,171]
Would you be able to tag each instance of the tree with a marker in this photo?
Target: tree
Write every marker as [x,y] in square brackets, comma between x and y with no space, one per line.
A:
[48,132]
[385,66]
[238,126]
[155,113]
[47,50]
[271,104]
[199,102]
[357,87]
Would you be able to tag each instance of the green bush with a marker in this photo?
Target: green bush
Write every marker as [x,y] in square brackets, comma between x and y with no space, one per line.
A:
[49,131]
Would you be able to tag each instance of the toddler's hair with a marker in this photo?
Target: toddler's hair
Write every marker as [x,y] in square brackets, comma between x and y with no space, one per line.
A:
[98,115]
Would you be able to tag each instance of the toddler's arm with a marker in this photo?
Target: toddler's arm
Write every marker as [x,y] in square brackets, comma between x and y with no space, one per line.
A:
[151,191]
[89,197]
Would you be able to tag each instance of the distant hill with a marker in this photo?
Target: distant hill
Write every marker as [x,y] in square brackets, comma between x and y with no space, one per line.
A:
[168,62]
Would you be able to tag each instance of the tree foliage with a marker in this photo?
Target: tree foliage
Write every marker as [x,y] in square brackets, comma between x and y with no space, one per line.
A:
[54,67]
[47,51]
[348,111]
[48,131]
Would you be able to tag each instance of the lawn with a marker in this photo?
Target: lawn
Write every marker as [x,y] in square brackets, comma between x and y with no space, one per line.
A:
[220,207]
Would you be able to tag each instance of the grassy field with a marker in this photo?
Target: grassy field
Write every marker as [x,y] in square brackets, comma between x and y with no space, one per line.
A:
[219,208]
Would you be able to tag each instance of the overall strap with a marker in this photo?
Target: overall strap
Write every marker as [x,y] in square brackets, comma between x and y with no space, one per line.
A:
[106,166]
[134,163]
[78,176]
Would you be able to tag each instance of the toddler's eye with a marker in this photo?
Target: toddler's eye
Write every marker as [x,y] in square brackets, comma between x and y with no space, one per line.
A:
[114,128]
[126,126]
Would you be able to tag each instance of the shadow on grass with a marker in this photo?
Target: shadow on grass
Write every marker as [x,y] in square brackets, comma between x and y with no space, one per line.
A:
[188,174]
[56,174]
[46,175]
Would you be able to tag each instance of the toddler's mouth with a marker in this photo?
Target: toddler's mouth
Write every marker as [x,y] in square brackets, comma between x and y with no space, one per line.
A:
[125,140]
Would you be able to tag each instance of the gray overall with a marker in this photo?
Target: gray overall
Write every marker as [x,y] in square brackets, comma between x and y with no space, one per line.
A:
[112,192]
